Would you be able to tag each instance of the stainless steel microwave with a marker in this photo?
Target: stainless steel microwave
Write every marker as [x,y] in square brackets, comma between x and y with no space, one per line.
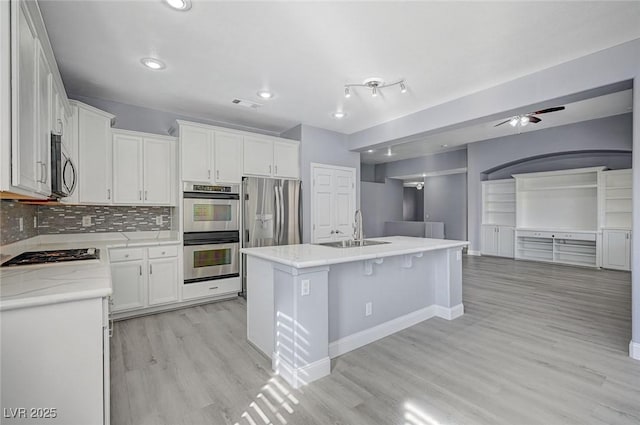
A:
[64,177]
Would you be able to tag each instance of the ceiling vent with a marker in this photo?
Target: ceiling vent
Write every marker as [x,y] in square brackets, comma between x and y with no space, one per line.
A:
[246,103]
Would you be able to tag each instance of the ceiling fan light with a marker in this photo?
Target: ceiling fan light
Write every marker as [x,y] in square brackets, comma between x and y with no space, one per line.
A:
[419,186]
[347,92]
[181,5]
[514,121]
[374,91]
[524,120]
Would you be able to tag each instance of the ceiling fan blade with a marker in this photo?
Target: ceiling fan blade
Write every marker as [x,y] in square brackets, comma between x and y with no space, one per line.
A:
[534,119]
[546,111]
[503,122]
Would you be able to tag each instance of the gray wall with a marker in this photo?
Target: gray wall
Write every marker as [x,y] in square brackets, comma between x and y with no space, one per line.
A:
[367,172]
[380,202]
[425,164]
[324,147]
[445,199]
[612,133]
[413,204]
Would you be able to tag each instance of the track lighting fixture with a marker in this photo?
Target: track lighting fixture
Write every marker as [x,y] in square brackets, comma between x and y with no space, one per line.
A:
[375,84]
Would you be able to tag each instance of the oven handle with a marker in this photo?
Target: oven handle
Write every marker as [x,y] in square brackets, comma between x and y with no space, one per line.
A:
[198,195]
[209,241]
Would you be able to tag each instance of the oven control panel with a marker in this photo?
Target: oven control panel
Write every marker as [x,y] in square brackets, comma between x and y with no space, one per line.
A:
[209,188]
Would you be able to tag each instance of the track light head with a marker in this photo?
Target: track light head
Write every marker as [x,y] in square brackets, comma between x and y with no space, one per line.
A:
[403,88]
[347,92]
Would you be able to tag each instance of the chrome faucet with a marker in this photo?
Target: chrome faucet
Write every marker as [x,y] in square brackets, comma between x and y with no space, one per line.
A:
[357,226]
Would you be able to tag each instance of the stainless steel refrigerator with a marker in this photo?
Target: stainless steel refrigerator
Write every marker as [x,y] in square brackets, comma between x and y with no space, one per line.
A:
[271,214]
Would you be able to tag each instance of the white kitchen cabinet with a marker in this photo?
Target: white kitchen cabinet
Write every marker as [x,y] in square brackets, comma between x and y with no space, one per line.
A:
[127,172]
[56,356]
[43,117]
[258,156]
[94,155]
[286,159]
[227,157]
[163,278]
[333,203]
[128,281]
[143,169]
[196,145]
[498,241]
[616,249]
[144,277]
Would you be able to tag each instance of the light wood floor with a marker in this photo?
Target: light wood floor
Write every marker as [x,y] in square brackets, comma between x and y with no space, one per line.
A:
[538,344]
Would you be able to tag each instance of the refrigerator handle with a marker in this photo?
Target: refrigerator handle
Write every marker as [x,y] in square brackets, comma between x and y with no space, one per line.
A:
[276,236]
[282,215]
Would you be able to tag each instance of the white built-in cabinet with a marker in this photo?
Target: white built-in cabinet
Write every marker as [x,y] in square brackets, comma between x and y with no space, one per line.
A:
[144,277]
[143,169]
[210,155]
[217,155]
[616,219]
[269,157]
[498,218]
[333,203]
[616,249]
[94,155]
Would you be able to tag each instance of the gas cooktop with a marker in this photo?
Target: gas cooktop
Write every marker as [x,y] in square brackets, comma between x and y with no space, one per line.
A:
[57,256]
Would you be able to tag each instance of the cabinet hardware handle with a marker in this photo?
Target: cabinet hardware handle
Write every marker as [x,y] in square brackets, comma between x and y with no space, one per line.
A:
[218,174]
[332,232]
[140,270]
[163,252]
[209,174]
[108,193]
[269,169]
[110,328]
[276,167]
[214,287]
[126,255]
[627,235]
[140,195]
[150,268]
[145,195]
[60,126]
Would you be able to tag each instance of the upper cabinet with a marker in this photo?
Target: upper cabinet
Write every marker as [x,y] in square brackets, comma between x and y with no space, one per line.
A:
[143,169]
[37,96]
[94,155]
[209,154]
[264,156]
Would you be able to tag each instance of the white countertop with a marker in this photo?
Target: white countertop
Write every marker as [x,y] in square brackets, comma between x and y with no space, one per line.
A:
[310,255]
[26,286]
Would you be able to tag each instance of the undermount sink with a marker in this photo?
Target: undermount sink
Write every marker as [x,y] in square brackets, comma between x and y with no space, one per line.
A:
[352,243]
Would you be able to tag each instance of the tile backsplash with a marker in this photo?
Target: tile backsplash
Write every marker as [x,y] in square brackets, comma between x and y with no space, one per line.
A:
[10,214]
[63,219]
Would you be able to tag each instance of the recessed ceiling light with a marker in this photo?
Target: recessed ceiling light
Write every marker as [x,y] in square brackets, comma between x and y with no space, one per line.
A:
[370,151]
[265,94]
[153,63]
[389,152]
[181,5]
[444,146]
[339,114]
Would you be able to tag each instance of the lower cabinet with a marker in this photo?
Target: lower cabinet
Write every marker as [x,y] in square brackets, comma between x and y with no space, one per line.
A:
[498,241]
[144,277]
[616,249]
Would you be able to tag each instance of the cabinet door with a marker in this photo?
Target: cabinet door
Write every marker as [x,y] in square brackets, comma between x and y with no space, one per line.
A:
[94,158]
[506,241]
[616,249]
[158,172]
[196,144]
[228,157]
[258,156]
[323,205]
[345,203]
[127,169]
[163,281]
[26,171]
[489,240]
[128,285]
[286,160]
[43,120]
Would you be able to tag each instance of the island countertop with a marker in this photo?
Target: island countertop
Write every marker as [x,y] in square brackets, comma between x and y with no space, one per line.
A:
[312,255]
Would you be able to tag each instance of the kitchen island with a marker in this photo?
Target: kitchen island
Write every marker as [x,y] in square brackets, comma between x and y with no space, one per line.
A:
[309,303]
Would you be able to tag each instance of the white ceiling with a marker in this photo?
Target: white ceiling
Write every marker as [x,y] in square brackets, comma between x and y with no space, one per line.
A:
[306,51]
[597,107]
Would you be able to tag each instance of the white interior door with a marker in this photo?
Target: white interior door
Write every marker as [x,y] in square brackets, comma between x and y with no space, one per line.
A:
[333,203]
[158,171]
[322,205]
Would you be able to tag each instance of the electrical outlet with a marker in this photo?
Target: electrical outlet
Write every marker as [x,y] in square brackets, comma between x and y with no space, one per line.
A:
[368,308]
[305,287]
[159,220]
[86,221]
[21,223]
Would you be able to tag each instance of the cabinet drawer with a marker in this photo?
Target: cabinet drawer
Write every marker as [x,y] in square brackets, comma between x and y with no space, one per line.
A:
[211,288]
[163,251]
[535,234]
[576,236]
[127,254]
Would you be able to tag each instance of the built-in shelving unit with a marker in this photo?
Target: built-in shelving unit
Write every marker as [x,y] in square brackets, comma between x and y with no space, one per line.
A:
[616,204]
[498,217]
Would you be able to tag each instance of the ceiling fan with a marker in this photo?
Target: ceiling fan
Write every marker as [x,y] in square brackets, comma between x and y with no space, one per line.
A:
[525,119]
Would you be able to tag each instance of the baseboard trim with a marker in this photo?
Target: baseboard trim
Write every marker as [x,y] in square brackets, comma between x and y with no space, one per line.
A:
[301,376]
[476,253]
[634,350]
[449,313]
[367,336]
